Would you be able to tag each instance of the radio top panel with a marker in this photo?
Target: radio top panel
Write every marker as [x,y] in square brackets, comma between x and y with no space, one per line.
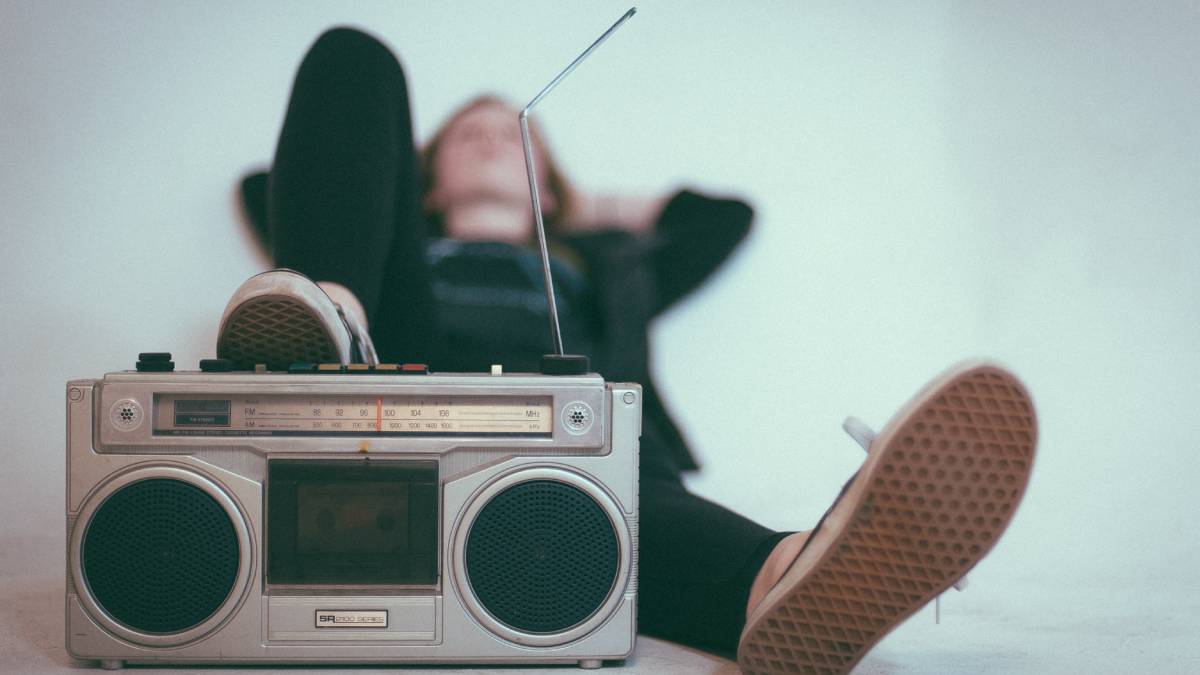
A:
[275,410]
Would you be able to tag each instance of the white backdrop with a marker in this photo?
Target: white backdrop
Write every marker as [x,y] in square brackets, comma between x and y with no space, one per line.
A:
[933,181]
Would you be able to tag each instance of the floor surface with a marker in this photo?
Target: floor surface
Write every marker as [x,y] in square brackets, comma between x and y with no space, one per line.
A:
[997,625]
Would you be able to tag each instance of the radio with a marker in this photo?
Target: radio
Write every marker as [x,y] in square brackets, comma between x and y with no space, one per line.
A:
[355,513]
[290,517]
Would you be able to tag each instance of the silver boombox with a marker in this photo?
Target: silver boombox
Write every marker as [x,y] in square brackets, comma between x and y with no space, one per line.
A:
[351,518]
[355,514]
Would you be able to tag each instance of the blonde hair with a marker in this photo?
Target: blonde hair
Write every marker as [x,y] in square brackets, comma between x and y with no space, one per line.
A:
[556,182]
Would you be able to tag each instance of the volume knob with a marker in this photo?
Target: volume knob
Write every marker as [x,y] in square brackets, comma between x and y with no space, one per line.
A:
[155,362]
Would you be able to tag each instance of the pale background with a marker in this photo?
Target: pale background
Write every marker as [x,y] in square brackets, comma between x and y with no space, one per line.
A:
[933,181]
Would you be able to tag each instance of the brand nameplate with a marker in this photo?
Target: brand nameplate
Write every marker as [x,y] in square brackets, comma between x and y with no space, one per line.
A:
[347,618]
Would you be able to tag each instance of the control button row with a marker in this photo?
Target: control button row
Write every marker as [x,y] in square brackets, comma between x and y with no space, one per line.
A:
[361,368]
[160,362]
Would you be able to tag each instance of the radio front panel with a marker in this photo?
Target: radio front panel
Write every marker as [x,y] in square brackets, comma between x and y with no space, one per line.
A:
[223,517]
[315,414]
[393,413]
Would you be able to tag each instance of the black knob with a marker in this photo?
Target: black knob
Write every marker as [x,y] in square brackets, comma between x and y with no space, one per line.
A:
[565,364]
[156,364]
[217,365]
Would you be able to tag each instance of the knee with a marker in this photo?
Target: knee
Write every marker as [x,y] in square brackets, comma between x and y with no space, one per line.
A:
[343,38]
[349,50]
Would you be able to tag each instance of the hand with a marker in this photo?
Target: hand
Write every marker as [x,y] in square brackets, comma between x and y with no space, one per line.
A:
[594,212]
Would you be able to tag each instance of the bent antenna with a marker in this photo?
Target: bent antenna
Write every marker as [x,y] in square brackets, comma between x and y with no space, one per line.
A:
[557,363]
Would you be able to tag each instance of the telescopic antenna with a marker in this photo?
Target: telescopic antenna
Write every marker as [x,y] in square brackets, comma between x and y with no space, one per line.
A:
[557,363]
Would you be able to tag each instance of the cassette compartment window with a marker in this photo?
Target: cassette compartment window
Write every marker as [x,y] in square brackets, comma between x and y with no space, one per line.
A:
[360,522]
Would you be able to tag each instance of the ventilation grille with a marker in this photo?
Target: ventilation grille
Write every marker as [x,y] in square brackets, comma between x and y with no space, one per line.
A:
[577,417]
[542,557]
[70,529]
[160,556]
[126,415]
[633,531]
[277,332]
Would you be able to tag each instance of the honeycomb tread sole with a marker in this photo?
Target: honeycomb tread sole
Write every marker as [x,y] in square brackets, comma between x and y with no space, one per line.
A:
[940,485]
[276,331]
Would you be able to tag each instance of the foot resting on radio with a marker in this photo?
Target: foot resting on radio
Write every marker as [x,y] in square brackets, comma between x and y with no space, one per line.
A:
[940,484]
[281,317]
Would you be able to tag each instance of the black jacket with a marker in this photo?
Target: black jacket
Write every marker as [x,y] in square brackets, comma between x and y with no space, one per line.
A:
[637,277]
[633,279]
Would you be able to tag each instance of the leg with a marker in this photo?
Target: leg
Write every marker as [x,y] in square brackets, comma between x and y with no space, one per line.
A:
[343,197]
[696,563]
[774,567]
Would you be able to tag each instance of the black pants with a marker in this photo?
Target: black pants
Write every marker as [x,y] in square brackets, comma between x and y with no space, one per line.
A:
[343,205]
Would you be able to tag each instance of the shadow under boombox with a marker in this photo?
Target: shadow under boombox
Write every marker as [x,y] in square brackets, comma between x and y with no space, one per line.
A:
[351,518]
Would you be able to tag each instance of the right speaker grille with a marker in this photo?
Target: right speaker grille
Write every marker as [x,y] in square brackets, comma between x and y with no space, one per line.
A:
[542,556]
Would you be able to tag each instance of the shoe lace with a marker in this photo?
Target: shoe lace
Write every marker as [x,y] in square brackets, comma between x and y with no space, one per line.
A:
[364,347]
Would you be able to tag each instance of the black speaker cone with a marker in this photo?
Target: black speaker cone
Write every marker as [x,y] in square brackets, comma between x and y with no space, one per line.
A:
[542,556]
[160,555]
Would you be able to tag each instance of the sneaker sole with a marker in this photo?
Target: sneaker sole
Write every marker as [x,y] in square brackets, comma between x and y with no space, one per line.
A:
[941,483]
[279,318]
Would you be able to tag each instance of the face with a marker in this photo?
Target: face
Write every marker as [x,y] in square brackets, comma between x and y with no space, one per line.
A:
[480,161]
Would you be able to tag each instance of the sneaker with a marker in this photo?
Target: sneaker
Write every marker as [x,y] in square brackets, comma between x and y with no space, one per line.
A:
[281,317]
[940,484]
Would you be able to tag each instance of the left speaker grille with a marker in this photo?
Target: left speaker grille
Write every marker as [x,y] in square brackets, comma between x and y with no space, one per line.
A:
[160,556]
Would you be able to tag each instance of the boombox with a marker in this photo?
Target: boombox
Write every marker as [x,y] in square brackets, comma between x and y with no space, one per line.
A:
[351,516]
[355,513]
